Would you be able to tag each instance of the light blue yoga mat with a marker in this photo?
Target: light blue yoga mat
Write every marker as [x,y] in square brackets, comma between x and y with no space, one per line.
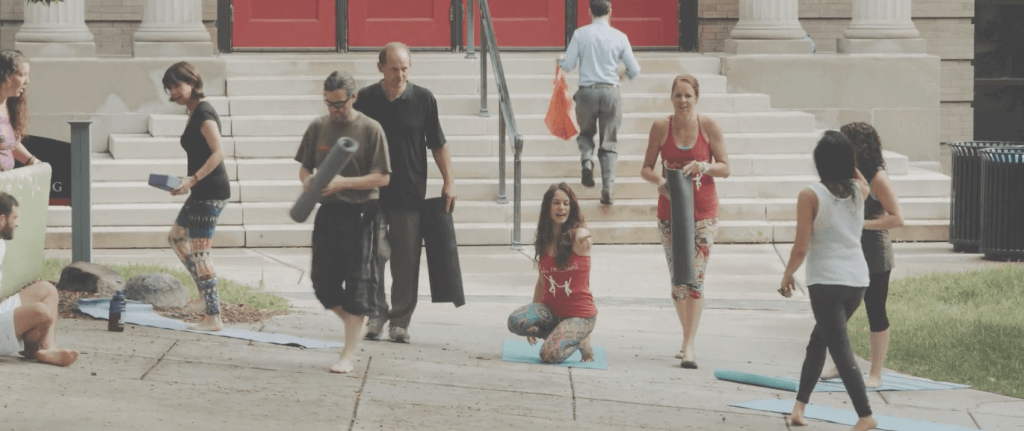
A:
[849,417]
[890,382]
[142,314]
[516,350]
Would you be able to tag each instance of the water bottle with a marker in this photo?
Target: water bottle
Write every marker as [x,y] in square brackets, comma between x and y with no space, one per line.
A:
[115,322]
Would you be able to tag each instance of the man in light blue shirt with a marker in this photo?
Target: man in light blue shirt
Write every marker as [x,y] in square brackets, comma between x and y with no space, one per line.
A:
[598,48]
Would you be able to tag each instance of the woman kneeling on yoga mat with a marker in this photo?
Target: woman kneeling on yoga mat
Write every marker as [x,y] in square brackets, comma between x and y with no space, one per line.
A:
[829,219]
[563,311]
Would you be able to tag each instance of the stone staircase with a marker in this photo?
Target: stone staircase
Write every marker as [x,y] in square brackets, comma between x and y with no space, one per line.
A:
[271,98]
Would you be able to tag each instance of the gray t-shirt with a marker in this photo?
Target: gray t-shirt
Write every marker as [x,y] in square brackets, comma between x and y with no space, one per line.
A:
[371,157]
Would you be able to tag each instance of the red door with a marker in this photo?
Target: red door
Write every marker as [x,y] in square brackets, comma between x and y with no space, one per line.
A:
[284,24]
[525,23]
[645,22]
[418,23]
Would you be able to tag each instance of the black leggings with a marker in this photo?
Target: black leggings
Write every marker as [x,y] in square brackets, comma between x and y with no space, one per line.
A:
[874,301]
[833,305]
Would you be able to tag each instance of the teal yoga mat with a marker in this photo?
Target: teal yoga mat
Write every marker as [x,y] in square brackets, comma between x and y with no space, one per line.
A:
[515,350]
[890,382]
[848,417]
[142,314]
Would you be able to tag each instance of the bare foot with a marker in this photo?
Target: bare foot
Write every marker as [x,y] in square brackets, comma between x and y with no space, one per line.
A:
[682,352]
[797,417]
[830,373]
[209,323]
[30,350]
[873,382]
[864,424]
[344,365]
[58,357]
[586,351]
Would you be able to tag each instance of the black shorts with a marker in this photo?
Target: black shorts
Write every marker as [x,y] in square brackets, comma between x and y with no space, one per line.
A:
[338,248]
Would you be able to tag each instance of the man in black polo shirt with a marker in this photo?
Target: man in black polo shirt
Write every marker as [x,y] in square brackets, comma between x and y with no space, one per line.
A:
[408,114]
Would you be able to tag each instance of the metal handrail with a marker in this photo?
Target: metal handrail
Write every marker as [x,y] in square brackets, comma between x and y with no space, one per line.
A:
[506,120]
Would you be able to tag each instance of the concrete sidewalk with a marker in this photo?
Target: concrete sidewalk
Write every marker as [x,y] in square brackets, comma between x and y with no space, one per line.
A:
[451,376]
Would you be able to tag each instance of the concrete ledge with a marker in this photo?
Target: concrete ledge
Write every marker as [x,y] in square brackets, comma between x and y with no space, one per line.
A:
[36,50]
[786,46]
[172,49]
[881,46]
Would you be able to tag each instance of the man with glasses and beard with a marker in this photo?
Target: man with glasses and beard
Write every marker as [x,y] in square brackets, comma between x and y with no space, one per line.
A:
[28,319]
[347,203]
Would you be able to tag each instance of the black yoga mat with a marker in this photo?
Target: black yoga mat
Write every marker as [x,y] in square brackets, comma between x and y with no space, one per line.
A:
[684,250]
[331,166]
[438,229]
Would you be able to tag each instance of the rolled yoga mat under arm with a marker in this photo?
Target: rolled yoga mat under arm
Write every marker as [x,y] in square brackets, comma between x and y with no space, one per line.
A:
[680,187]
[331,166]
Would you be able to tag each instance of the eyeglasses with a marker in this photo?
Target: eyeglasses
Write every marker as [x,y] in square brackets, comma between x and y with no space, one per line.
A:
[336,105]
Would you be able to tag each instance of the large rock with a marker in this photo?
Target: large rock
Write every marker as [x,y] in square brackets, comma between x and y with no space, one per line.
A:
[91,278]
[159,289]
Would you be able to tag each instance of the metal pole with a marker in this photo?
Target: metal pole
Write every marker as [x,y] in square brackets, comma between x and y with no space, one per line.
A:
[81,205]
[501,155]
[483,74]
[470,21]
[517,227]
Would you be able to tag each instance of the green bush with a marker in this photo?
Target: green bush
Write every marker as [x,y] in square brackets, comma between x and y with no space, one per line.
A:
[231,292]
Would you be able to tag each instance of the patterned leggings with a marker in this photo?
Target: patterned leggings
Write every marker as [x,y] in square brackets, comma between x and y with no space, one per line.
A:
[190,239]
[562,337]
[706,230]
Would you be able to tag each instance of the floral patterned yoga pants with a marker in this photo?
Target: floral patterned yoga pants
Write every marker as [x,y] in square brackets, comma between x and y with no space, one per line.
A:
[706,230]
[562,337]
[190,240]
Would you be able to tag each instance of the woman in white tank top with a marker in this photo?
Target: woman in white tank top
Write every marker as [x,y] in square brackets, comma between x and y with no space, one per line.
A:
[830,216]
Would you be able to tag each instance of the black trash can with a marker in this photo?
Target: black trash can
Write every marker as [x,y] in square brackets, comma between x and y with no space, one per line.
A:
[1002,202]
[965,196]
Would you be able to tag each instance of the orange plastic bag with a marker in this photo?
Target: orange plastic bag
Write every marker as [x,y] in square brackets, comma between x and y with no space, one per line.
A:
[559,116]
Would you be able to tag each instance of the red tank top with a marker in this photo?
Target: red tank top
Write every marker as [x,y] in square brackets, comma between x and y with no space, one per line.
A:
[705,198]
[567,291]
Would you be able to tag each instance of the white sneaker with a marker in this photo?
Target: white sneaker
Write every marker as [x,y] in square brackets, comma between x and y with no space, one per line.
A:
[374,327]
[398,334]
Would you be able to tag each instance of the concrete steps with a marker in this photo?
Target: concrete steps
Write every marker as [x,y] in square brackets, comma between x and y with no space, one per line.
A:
[533,103]
[271,98]
[105,168]
[455,125]
[312,64]
[459,84]
[270,147]
[617,232]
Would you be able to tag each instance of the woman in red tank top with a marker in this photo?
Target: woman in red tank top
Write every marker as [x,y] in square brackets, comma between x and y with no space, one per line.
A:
[563,311]
[695,144]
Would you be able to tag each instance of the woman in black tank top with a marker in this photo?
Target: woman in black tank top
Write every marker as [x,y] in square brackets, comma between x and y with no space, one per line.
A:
[207,180]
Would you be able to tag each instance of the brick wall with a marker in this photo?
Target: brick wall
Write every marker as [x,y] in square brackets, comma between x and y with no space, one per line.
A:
[112,23]
[945,24]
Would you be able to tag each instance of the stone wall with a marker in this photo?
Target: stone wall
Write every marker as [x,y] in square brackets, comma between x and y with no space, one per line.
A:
[945,24]
[112,22]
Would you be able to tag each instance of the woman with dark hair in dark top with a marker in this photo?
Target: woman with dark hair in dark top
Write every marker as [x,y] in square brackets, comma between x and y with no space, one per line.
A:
[881,213]
[207,180]
[830,216]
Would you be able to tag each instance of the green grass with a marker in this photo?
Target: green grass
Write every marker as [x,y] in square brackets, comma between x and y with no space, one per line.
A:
[965,328]
[231,292]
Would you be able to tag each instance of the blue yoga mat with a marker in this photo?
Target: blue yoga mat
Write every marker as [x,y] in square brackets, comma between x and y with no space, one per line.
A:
[516,350]
[849,417]
[142,314]
[890,382]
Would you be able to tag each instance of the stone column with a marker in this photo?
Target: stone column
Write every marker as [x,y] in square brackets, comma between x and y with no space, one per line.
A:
[881,26]
[768,27]
[172,28]
[57,30]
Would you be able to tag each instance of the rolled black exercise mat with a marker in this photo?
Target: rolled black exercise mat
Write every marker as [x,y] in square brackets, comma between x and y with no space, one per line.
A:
[331,166]
[438,229]
[684,250]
